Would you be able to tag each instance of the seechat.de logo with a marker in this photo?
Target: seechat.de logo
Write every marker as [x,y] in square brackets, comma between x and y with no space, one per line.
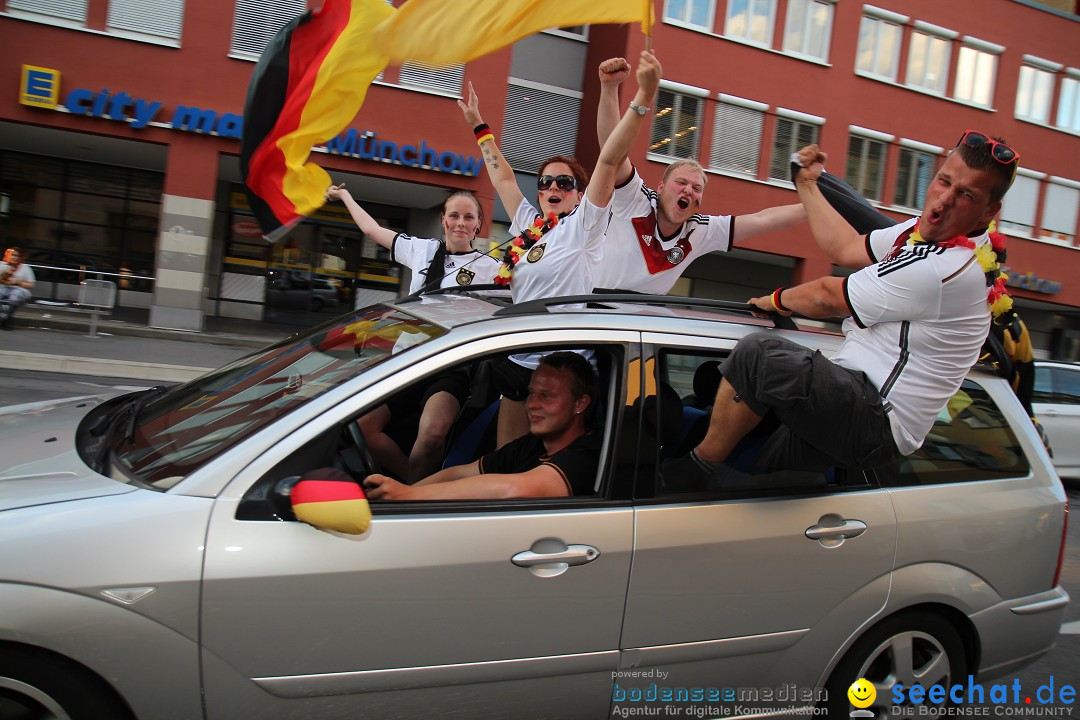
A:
[862,694]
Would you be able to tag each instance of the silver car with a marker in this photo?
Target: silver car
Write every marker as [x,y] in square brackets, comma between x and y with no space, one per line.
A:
[153,568]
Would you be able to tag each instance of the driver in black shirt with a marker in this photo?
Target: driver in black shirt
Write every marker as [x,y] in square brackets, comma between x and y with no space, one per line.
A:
[557,458]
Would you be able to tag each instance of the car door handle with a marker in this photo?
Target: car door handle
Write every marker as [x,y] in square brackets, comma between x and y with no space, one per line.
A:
[548,564]
[847,529]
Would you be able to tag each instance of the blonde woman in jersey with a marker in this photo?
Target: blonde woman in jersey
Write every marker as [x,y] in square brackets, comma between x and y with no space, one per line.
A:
[450,262]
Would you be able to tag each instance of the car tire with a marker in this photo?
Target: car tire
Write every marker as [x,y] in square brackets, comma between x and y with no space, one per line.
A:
[38,684]
[316,304]
[881,656]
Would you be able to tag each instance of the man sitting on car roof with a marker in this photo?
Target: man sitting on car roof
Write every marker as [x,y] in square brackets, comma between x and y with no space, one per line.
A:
[557,458]
[917,315]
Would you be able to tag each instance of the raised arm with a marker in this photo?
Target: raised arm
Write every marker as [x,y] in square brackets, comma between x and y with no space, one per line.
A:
[613,153]
[499,171]
[612,73]
[769,220]
[841,242]
[366,223]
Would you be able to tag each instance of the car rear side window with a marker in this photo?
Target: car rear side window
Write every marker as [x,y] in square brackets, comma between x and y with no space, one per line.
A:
[971,440]
[1057,385]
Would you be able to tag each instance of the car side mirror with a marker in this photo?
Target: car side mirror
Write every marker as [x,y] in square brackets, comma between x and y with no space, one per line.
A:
[325,498]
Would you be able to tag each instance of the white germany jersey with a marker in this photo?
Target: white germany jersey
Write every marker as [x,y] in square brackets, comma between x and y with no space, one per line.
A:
[560,263]
[637,257]
[462,269]
[918,320]
[563,260]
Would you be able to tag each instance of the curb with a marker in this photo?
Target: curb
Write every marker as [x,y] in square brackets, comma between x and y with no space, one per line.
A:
[46,320]
[99,367]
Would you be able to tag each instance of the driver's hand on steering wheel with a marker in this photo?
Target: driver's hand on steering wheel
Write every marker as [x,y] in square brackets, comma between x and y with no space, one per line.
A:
[381,487]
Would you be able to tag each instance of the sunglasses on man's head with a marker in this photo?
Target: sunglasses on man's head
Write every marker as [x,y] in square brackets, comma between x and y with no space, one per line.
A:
[563,182]
[998,150]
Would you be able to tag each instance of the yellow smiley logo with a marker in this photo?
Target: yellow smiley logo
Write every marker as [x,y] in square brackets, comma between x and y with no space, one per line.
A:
[861,693]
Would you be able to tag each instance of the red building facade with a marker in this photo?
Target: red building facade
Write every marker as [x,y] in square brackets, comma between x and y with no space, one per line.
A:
[118,139]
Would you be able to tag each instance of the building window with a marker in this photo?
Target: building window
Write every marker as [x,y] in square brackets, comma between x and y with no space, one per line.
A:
[1018,206]
[751,20]
[792,134]
[161,18]
[532,112]
[69,213]
[737,136]
[879,48]
[441,79]
[580,32]
[675,125]
[1068,115]
[913,177]
[808,28]
[1034,93]
[1060,208]
[976,68]
[866,166]
[698,13]
[257,21]
[928,59]
[63,9]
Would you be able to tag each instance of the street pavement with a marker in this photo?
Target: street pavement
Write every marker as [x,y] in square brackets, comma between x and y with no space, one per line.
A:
[44,340]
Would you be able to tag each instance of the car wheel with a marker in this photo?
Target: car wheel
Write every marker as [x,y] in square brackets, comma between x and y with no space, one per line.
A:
[36,685]
[916,647]
[316,303]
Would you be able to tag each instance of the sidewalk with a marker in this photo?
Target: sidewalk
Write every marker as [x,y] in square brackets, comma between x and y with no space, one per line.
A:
[47,340]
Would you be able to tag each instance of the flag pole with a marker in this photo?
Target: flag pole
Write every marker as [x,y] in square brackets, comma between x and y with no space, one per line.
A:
[646,24]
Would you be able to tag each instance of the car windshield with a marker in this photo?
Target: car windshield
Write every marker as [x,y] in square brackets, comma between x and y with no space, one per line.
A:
[181,429]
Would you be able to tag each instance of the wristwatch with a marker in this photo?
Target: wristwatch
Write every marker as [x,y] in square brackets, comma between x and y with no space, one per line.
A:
[639,109]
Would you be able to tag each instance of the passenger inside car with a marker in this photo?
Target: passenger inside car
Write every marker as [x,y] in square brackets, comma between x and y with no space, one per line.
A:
[557,458]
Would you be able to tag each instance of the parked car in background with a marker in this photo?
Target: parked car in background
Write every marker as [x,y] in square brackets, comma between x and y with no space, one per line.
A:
[298,290]
[1056,402]
[153,567]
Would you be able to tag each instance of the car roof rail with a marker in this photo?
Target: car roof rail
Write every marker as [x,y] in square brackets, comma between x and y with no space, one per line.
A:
[477,291]
[601,300]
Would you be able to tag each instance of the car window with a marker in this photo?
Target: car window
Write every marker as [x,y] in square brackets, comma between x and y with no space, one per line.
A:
[192,423]
[348,445]
[676,417]
[1044,384]
[1066,385]
[971,440]
[1056,385]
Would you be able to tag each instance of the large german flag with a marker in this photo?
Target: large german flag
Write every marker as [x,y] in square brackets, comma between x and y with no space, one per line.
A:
[306,88]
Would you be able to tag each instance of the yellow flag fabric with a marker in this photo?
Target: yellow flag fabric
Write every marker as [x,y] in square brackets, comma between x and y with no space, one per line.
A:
[447,32]
[648,17]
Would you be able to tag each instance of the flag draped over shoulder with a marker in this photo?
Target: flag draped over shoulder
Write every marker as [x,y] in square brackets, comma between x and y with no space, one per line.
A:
[852,206]
[306,88]
[446,32]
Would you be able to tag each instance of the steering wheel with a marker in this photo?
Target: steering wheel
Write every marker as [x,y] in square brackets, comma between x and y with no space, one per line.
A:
[356,436]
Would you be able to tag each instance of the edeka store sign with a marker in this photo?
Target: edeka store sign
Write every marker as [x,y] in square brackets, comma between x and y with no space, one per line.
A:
[40,87]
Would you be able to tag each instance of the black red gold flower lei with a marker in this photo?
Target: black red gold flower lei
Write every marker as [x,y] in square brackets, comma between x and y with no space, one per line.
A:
[521,244]
[990,258]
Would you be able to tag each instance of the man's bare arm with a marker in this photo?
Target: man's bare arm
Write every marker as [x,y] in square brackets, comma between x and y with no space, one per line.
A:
[831,231]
